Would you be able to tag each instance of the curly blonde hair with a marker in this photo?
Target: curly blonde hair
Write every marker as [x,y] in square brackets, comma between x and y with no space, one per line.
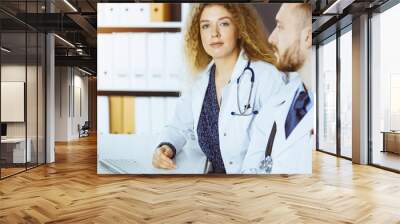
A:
[252,35]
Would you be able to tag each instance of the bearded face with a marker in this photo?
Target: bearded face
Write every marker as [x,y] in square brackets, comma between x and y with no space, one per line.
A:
[291,59]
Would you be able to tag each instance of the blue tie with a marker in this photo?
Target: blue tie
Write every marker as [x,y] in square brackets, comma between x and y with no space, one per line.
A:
[297,111]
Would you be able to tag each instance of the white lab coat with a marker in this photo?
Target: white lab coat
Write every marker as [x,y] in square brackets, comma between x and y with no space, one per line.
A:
[292,155]
[233,130]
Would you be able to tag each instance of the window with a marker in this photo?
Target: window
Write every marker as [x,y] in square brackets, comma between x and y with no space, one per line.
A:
[346,94]
[22,65]
[385,89]
[327,97]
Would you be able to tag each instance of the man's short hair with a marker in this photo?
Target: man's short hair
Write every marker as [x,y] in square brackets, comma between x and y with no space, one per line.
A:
[304,12]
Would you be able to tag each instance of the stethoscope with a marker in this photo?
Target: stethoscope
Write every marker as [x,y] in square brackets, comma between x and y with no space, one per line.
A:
[266,164]
[245,112]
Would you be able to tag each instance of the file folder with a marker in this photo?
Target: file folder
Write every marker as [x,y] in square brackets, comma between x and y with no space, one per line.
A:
[155,59]
[138,44]
[104,61]
[160,12]
[103,115]
[107,15]
[143,115]
[134,14]
[157,114]
[170,104]
[173,59]
[101,15]
[122,114]
[121,62]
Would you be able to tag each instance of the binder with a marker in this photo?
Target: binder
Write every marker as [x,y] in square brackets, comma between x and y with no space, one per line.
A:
[101,15]
[104,61]
[128,114]
[157,105]
[123,14]
[173,60]
[121,114]
[143,115]
[103,115]
[170,105]
[138,44]
[160,12]
[119,17]
[155,59]
[107,15]
[133,14]
[115,108]
[121,77]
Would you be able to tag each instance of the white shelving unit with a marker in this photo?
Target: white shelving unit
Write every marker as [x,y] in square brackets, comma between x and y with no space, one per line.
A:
[153,105]
[116,56]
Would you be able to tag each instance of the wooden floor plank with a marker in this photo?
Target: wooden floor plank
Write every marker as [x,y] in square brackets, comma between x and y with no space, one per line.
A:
[70,191]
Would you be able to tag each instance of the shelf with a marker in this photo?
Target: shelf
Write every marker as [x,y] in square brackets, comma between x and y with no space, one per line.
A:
[149,27]
[139,93]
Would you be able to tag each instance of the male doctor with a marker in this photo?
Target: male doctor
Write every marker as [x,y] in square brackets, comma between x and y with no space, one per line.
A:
[281,141]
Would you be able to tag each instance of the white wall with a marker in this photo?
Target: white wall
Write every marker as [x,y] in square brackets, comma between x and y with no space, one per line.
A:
[33,127]
[71,93]
[79,117]
[62,81]
[12,73]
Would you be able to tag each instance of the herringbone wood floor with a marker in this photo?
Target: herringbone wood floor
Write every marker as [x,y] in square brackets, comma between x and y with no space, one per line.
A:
[70,191]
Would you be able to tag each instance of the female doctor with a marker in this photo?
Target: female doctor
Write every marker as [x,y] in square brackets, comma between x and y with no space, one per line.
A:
[227,45]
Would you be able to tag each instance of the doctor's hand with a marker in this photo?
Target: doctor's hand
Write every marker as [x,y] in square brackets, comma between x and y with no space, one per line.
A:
[162,158]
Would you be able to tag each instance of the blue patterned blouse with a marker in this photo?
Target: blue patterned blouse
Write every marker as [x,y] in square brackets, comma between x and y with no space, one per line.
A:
[207,129]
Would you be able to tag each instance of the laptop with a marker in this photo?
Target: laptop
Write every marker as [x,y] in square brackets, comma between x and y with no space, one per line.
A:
[130,166]
[121,166]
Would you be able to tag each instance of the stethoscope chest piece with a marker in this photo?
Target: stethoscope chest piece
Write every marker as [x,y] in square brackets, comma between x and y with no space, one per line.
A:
[266,164]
